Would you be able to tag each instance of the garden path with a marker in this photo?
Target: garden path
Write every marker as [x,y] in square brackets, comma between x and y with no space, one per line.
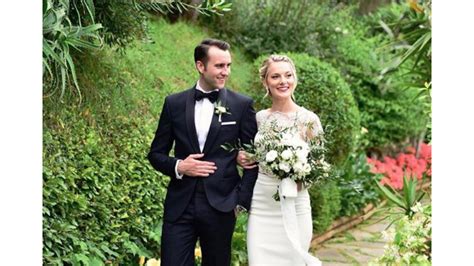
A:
[357,246]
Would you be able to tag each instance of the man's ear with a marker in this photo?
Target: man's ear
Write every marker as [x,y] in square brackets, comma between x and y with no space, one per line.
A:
[200,66]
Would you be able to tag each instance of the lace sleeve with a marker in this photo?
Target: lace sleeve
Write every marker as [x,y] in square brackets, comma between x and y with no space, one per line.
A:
[313,126]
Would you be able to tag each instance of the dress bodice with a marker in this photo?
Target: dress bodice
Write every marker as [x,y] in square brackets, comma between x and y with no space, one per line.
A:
[307,122]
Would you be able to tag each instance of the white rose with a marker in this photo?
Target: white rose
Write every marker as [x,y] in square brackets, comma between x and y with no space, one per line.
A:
[302,155]
[285,167]
[271,156]
[299,167]
[286,154]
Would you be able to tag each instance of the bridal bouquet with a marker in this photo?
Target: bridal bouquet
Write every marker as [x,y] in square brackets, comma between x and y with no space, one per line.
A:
[284,154]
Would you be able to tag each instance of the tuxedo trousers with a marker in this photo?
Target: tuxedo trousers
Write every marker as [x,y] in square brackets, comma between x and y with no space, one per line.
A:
[200,221]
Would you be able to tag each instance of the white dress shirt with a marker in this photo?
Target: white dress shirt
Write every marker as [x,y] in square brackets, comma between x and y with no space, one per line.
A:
[203,112]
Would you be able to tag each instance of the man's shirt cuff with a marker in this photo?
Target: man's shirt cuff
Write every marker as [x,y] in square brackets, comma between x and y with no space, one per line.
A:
[178,176]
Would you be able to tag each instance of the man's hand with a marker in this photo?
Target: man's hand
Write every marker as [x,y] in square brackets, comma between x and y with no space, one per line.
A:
[191,166]
[243,161]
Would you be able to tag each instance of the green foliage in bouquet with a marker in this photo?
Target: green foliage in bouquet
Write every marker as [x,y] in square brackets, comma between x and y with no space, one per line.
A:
[281,152]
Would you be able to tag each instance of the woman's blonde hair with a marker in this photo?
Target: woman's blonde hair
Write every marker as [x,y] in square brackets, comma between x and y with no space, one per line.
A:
[263,72]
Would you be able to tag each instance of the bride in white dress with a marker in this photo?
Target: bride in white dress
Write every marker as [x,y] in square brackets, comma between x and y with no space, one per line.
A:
[280,232]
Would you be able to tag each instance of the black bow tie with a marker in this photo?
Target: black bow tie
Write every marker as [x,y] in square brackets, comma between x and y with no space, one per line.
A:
[212,96]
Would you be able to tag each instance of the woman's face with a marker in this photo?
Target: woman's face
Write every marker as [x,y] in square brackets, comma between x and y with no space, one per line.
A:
[280,80]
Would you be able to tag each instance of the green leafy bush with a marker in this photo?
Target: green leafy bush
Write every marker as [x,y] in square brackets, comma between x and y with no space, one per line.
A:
[353,46]
[322,90]
[357,186]
[101,199]
[325,205]
[267,26]
[239,241]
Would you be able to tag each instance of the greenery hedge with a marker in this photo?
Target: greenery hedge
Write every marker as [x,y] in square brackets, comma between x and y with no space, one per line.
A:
[350,43]
[325,205]
[101,199]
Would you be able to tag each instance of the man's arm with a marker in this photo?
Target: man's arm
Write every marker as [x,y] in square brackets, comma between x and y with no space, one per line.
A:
[248,129]
[162,144]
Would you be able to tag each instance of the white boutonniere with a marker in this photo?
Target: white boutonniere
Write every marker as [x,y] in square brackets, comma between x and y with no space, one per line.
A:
[219,109]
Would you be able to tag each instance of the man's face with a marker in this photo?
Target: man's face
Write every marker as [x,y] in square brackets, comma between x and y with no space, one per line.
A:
[217,70]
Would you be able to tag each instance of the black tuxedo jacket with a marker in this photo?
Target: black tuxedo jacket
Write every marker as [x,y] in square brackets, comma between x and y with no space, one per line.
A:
[225,188]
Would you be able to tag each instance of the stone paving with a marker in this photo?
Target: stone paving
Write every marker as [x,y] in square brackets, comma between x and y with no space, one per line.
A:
[356,246]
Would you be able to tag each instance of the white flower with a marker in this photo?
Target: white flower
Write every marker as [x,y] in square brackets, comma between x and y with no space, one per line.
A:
[271,156]
[153,262]
[220,109]
[306,168]
[299,167]
[326,166]
[286,154]
[302,155]
[417,208]
[337,29]
[285,167]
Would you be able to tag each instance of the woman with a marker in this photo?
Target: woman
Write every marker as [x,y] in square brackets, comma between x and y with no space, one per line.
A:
[279,232]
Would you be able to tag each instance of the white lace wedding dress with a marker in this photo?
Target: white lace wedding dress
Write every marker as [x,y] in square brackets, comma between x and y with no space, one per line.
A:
[279,232]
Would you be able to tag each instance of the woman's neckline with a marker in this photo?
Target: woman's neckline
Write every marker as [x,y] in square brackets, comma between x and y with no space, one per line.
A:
[298,108]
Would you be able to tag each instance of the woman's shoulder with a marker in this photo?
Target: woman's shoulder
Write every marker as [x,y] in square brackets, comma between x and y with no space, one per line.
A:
[308,115]
[263,113]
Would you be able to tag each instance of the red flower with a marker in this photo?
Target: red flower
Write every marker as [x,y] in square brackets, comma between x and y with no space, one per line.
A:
[404,164]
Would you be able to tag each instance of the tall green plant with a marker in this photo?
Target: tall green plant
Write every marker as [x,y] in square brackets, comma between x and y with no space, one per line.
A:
[411,39]
[411,43]
[407,198]
[74,26]
[208,7]
[60,37]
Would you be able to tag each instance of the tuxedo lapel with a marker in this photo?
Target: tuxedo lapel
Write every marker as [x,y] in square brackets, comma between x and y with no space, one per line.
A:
[215,124]
[190,126]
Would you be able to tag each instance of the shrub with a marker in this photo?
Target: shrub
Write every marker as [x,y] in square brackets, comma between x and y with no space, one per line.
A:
[321,90]
[101,199]
[351,44]
[325,205]
[267,26]
[357,186]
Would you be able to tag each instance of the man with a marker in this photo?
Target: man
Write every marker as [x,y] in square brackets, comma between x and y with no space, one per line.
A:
[206,191]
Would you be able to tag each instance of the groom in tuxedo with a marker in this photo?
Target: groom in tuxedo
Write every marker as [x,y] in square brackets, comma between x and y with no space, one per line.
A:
[206,191]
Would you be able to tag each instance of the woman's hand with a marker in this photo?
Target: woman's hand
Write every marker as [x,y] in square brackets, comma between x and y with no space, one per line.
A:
[244,161]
